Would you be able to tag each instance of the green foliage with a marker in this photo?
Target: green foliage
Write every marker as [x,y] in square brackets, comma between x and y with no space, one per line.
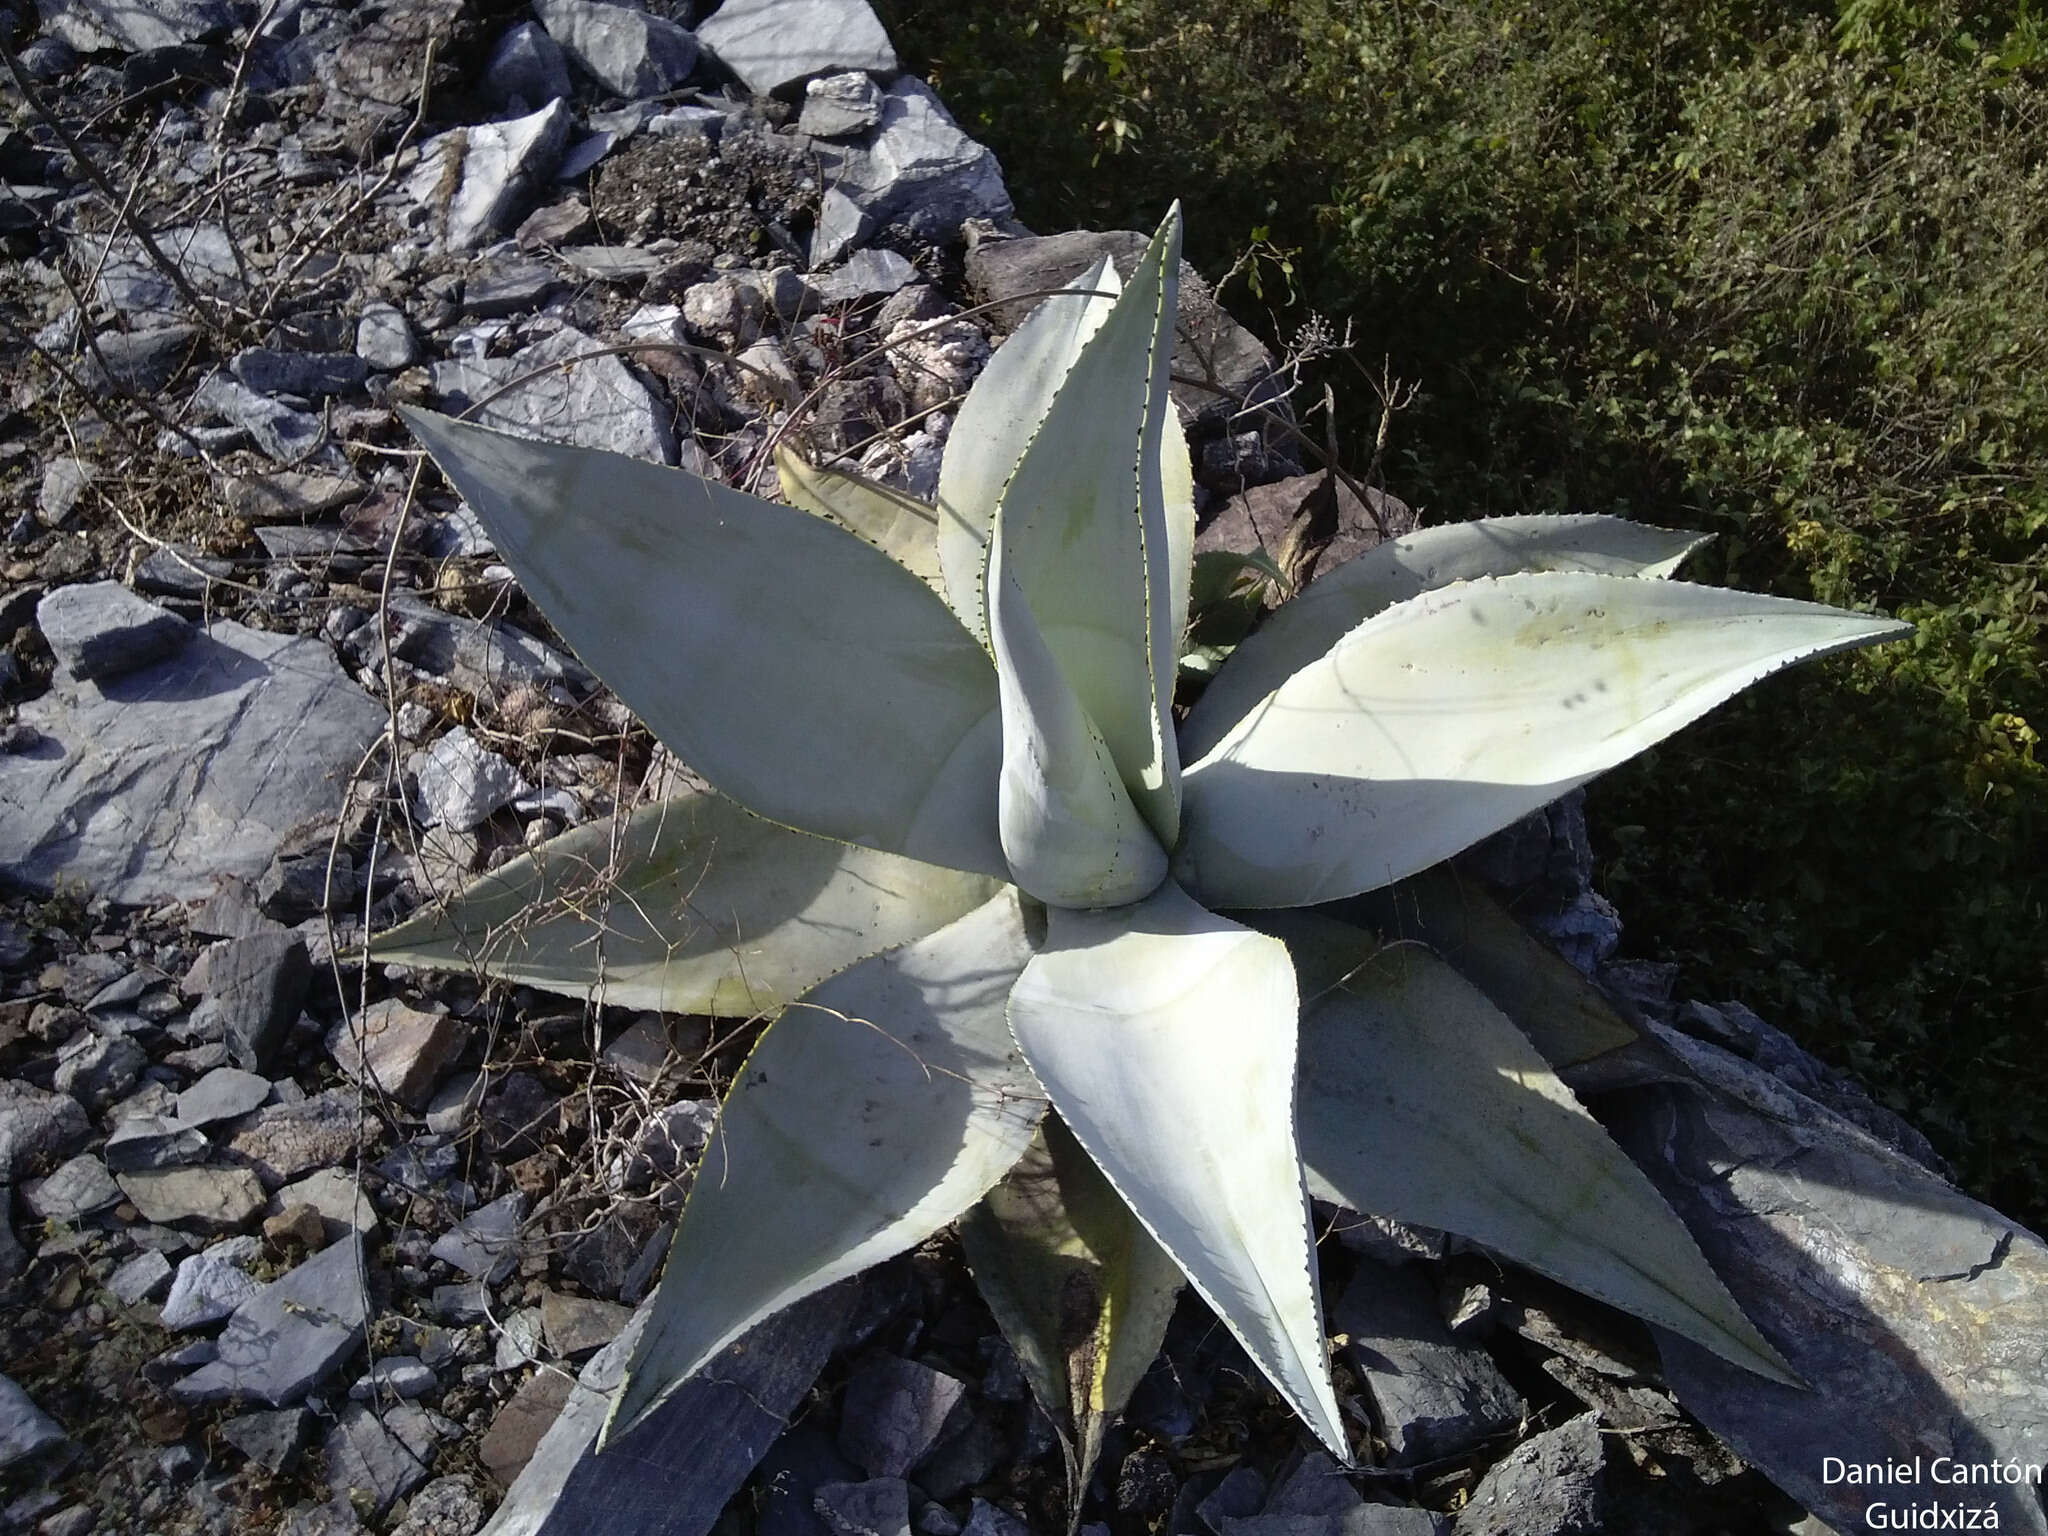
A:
[1778,272]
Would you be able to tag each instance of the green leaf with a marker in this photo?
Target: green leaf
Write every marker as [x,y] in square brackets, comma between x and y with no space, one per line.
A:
[1420,1101]
[1084,532]
[870,1114]
[1078,1287]
[899,525]
[800,671]
[1447,717]
[998,419]
[1165,1037]
[1564,1015]
[1331,606]
[1070,833]
[688,906]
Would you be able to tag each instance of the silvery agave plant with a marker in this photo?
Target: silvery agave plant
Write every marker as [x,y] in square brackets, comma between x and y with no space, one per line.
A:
[962,849]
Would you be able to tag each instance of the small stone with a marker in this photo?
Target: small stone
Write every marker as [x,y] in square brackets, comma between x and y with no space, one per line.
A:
[1549,1485]
[385,339]
[646,1050]
[136,362]
[485,1244]
[96,1070]
[291,1335]
[398,1376]
[64,480]
[142,1278]
[254,988]
[562,223]
[376,1457]
[290,495]
[986,1519]
[226,1093]
[338,1201]
[494,169]
[74,1191]
[879,1507]
[398,1050]
[576,1326]
[458,1305]
[283,1141]
[286,435]
[866,273]
[509,1443]
[508,287]
[209,1286]
[272,1439]
[301,1225]
[462,783]
[840,106]
[527,67]
[100,630]
[26,1432]
[773,44]
[310,375]
[35,1125]
[208,1199]
[725,310]
[896,1411]
[519,1341]
[629,52]
[448,1506]
[917,170]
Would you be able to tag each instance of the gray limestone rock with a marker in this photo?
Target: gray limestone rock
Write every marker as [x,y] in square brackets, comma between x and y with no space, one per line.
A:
[917,170]
[129,281]
[394,1376]
[398,1050]
[1549,1485]
[447,1506]
[312,375]
[272,1439]
[36,1126]
[281,1142]
[285,435]
[74,1191]
[526,67]
[896,1412]
[376,1457]
[864,274]
[254,988]
[138,362]
[99,630]
[64,480]
[336,1195]
[209,1286]
[478,182]
[291,1335]
[879,1507]
[26,1432]
[208,1199]
[225,1093]
[384,337]
[627,51]
[1434,1395]
[575,1326]
[485,1244]
[773,44]
[596,402]
[840,106]
[97,26]
[461,782]
[98,1069]
[140,1279]
[150,786]
[508,286]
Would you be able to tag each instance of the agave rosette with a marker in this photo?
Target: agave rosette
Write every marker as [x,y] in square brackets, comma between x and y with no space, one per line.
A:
[964,853]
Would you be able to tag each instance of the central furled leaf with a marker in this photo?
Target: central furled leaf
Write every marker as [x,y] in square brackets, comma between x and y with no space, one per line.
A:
[1165,1037]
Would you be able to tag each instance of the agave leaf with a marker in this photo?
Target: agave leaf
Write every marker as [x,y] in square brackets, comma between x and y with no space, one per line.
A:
[1330,607]
[1165,1038]
[999,417]
[899,525]
[1078,1286]
[874,1111]
[1421,1101]
[799,670]
[1449,716]
[1070,833]
[1564,1015]
[688,906]
[1083,530]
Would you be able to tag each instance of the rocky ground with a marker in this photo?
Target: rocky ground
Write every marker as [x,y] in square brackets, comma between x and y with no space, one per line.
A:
[301,1244]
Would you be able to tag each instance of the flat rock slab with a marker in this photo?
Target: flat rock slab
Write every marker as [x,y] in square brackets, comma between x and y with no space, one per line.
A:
[485,1243]
[208,1287]
[205,1199]
[376,1457]
[627,51]
[25,1430]
[145,788]
[917,169]
[594,402]
[225,1093]
[254,986]
[290,1336]
[575,1326]
[1549,1485]
[74,1191]
[1918,1316]
[896,1411]
[281,1142]
[1434,1395]
[100,630]
[479,181]
[398,1050]
[773,44]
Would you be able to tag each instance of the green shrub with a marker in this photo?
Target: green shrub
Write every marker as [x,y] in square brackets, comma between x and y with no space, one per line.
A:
[1778,272]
